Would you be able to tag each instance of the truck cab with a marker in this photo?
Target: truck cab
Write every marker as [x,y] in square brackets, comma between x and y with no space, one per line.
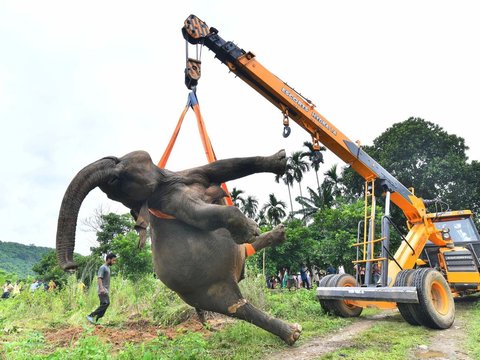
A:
[460,264]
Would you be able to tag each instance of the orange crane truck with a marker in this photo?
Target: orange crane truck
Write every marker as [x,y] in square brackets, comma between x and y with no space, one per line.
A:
[439,257]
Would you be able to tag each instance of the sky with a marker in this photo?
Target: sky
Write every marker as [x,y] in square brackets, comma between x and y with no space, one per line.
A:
[84,80]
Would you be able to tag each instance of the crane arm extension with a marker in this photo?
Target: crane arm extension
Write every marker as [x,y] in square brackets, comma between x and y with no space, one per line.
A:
[299,109]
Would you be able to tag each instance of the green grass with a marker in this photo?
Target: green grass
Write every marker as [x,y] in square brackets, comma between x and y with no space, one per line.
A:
[472,317]
[27,318]
[27,322]
[388,339]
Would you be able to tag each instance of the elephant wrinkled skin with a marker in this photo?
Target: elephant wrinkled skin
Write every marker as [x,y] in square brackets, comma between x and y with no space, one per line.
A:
[199,251]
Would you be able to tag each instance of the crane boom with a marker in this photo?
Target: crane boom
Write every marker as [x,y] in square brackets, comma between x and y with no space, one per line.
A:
[302,111]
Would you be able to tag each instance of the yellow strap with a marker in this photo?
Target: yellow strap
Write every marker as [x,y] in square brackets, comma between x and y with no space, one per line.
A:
[168,150]
[161,215]
[207,144]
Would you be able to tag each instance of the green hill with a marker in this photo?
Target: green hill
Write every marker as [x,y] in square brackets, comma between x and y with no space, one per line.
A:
[19,259]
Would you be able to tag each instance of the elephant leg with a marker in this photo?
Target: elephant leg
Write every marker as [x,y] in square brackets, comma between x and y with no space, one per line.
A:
[271,238]
[229,169]
[226,298]
[243,310]
[211,217]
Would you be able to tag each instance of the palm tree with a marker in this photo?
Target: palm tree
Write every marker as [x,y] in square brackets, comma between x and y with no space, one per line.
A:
[298,166]
[333,178]
[327,194]
[250,206]
[237,198]
[274,210]
[315,157]
[311,205]
[288,180]
[261,218]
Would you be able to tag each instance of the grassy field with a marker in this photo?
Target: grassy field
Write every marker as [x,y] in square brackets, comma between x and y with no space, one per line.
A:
[148,321]
[472,318]
[391,340]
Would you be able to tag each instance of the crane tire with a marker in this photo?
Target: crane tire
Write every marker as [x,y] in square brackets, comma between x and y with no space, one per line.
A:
[405,278]
[344,308]
[436,308]
[326,304]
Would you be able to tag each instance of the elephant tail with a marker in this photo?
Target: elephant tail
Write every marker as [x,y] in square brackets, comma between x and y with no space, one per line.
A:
[86,180]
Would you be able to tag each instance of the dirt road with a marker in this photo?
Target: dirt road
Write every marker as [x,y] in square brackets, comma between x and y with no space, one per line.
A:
[448,344]
[445,344]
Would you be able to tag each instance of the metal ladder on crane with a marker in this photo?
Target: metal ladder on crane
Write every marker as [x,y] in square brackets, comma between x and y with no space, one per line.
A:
[371,251]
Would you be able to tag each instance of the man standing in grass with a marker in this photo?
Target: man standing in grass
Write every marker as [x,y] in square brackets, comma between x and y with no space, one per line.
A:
[103,288]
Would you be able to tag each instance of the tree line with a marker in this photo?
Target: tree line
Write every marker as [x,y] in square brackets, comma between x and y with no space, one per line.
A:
[18,259]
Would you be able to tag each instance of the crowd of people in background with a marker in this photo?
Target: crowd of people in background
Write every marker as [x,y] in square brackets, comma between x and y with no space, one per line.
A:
[7,289]
[307,277]
[39,284]
[11,290]
[304,277]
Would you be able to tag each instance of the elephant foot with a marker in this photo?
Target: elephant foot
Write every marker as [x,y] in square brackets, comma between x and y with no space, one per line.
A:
[201,316]
[277,235]
[279,161]
[296,330]
[271,238]
[248,234]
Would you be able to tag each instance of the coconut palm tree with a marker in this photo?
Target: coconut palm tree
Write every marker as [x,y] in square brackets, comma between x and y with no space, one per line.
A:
[261,218]
[299,167]
[288,180]
[237,198]
[327,194]
[317,200]
[274,210]
[333,178]
[315,157]
[250,206]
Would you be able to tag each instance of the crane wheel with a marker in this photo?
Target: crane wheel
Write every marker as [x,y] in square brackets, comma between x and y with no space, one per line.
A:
[326,304]
[344,308]
[405,278]
[436,308]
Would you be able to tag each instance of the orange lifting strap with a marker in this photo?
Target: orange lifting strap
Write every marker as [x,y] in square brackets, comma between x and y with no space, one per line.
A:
[207,145]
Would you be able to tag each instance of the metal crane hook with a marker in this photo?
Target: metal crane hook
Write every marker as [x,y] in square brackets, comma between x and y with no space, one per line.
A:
[286,123]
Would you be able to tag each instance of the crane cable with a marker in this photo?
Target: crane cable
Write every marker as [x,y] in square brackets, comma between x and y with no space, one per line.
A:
[192,102]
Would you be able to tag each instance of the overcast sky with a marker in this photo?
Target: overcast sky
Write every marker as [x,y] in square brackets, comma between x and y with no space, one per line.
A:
[83,80]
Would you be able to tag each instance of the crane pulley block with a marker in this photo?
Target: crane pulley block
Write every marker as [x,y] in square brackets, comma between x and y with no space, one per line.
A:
[192,73]
[195,30]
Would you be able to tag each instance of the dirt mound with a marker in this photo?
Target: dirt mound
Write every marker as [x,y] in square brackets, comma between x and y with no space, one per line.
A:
[131,333]
[63,337]
[134,332]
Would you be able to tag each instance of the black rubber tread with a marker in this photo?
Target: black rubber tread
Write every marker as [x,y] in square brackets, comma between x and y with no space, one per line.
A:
[326,304]
[340,307]
[405,278]
[425,311]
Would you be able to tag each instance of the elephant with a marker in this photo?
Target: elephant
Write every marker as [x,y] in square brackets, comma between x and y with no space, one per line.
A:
[199,245]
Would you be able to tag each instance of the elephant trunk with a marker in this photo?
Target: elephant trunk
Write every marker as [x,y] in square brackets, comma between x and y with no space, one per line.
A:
[86,180]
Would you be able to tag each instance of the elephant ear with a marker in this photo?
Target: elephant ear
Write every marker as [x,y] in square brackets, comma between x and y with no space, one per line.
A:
[141,224]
